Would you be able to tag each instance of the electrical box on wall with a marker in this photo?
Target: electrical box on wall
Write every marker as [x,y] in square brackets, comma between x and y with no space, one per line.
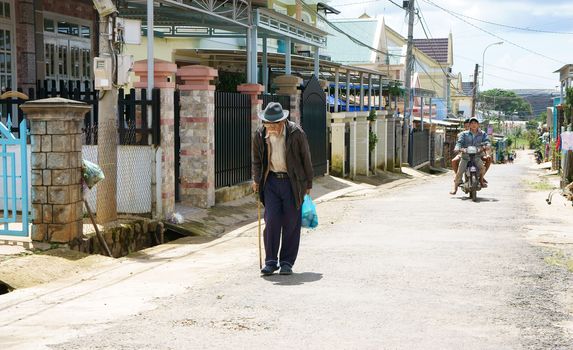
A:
[104,7]
[124,68]
[102,73]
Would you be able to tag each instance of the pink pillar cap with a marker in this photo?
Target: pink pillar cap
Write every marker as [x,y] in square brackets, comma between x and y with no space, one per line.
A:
[162,71]
[197,77]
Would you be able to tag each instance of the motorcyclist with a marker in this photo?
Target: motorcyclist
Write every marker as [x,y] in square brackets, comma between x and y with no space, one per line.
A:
[472,137]
[456,160]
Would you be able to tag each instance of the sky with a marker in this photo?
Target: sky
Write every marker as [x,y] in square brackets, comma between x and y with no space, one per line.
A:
[507,66]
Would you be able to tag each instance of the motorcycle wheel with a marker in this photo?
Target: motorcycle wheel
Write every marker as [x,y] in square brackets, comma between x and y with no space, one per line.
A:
[473,187]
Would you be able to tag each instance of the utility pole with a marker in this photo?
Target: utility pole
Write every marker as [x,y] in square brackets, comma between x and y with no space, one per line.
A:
[408,82]
[475,91]
[107,129]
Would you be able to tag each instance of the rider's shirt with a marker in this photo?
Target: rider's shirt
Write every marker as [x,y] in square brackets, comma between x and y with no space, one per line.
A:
[467,138]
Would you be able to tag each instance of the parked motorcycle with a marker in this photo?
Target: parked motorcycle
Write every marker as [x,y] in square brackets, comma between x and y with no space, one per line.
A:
[472,184]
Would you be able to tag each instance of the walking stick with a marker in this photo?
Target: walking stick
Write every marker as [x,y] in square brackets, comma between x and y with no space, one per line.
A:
[259,237]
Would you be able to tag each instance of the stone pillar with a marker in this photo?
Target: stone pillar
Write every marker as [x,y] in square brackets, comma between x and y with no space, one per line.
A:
[56,138]
[197,133]
[163,190]
[380,149]
[362,137]
[338,154]
[288,85]
[254,91]
[351,120]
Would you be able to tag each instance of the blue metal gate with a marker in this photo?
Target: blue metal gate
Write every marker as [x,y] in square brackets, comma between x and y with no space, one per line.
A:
[13,181]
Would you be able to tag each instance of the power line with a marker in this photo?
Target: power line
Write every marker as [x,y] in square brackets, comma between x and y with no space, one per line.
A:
[512,27]
[400,6]
[507,69]
[492,34]
[429,37]
[333,26]
[354,3]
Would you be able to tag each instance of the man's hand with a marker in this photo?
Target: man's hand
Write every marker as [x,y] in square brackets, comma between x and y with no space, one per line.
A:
[255,187]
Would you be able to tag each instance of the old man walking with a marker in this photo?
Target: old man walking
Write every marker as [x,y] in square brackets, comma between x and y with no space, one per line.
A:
[282,175]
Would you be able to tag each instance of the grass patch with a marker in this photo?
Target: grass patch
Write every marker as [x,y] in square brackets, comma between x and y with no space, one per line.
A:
[541,185]
[560,259]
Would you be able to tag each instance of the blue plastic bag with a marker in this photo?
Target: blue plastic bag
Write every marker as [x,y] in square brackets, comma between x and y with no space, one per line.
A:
[309,216]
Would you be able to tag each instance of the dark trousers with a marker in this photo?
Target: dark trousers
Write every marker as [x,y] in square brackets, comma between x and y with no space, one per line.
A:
[282,218]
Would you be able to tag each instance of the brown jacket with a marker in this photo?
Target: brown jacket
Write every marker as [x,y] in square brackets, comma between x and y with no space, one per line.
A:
[299,165]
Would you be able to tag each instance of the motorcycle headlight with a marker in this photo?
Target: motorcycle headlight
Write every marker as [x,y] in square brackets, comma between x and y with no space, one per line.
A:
[472,150]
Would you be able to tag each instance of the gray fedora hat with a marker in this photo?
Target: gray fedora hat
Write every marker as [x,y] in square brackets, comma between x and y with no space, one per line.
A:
[273,113]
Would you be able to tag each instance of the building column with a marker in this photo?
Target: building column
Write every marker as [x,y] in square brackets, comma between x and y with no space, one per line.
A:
[338,146]
[381,130]
[56,139]
[163,188]
[361,92]
[359,138]
[288,85]
[197,134]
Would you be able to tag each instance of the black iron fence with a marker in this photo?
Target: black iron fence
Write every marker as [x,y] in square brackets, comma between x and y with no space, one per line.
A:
[419,147]
[10,113]
[138,124]
[232,138]
[73,90]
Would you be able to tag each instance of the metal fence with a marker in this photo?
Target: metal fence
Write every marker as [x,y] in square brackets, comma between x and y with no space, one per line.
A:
[138,124]
[419,147]
[232,139]
[73,90]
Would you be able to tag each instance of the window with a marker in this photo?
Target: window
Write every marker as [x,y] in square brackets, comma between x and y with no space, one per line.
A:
[5,9]
[50,59]
[67,47]
[85,32]
[49,25]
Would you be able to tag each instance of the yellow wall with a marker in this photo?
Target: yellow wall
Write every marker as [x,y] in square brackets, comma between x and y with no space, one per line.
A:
[163,48]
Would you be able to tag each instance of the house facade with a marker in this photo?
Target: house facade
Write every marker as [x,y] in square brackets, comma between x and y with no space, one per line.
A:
[46,39]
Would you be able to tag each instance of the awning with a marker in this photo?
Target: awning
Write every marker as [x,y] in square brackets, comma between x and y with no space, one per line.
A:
[234,60]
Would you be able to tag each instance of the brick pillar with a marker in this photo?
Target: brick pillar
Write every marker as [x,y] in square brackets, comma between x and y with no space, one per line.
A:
[288,85]
[253,90]
[56,137]
[197,132]
[164,72]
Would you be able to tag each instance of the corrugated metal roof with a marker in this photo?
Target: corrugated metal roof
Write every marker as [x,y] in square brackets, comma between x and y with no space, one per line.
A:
[435,48]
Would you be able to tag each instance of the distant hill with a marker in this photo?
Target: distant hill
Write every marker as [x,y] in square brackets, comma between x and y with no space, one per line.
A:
[539,99]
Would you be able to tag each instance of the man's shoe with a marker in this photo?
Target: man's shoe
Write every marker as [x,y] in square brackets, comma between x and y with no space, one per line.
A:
[268,270]
[285,270]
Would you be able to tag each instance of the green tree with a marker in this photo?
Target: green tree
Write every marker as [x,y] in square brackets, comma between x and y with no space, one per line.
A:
[532,125]
[542,117]
[504,101]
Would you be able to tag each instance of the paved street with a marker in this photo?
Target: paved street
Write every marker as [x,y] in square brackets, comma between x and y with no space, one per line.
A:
[405,268]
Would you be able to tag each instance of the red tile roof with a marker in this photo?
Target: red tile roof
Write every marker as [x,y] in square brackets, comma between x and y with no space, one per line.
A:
[435,48]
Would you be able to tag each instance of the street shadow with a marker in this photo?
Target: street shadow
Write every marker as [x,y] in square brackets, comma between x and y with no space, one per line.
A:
[295,279]
[479,199]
